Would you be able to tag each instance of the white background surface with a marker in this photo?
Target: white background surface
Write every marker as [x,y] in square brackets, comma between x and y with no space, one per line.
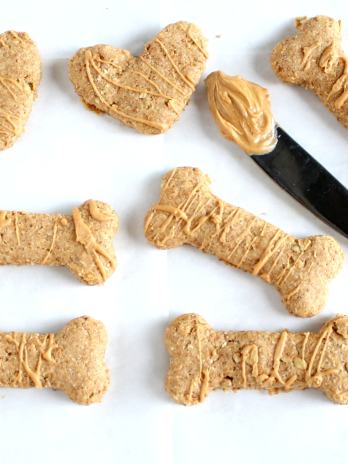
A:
[68,155]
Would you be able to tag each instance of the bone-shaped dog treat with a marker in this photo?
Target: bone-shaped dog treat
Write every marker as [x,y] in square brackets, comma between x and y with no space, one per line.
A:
[71,360]
[188,213]
[147,92]
[202,360]
[81,242]
[20,73]
[314,59]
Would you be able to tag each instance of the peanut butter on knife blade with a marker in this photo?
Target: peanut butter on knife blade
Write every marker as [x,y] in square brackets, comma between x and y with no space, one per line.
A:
[242,111]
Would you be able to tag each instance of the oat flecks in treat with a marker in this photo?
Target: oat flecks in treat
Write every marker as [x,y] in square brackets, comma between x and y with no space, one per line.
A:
[71,360]
[20,73]
[188,213]
[148,92]
[82,242]
[202,360]
[242,111]
[314,59]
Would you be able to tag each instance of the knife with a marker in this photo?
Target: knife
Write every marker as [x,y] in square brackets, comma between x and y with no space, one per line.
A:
[242,111]
[299,174]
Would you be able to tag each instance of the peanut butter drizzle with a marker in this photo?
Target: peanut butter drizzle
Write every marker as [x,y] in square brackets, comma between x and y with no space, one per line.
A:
[204,385]
[162,76]
[271,248]
[86,238]
[327,59]
[4,221]
[96,213]
[308,377]
[242,237]
[305,341]
[185,79]
[17,228]
[187,32]
[8,128]
[242,111]
[123,86]
[340,87]
[228,224]
[250,352]
[177,212]
[285,274]
[111,108]
[278,355]
[54,236]
[150,81]
[45,354]
[222,227]
[308,55]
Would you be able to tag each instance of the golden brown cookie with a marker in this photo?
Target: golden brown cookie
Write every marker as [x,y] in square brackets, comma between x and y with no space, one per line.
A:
[82,241]
[202,360]
[314,59]
[188,213]
[147,92]
[71,360]
[20,73]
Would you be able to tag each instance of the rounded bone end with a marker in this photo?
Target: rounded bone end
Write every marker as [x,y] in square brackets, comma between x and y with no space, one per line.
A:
[324,258]
[309,302]
[95,225]
[166,222]
[81,371]
[335,383]
[329,255]
[187,339]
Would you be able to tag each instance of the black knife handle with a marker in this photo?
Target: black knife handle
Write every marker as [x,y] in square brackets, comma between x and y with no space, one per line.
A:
[297,172]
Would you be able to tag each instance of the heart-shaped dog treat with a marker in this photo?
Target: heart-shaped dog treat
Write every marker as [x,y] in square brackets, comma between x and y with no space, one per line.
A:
[147,92]
[20,73]
[314,59]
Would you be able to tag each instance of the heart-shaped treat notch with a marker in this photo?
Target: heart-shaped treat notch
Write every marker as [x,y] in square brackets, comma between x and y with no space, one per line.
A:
[20,73]
[147,92]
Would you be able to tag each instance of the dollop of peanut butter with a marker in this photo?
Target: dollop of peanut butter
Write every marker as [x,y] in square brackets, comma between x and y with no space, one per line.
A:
[242,111]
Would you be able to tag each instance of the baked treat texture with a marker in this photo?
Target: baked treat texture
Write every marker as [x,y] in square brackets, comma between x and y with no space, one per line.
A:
[71,360]
[313,58]
[20,74]
[188,213]
[202,360]
[147,92]
[82,241]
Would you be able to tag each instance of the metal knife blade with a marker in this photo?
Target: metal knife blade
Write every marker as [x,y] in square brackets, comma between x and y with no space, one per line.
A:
[297,172]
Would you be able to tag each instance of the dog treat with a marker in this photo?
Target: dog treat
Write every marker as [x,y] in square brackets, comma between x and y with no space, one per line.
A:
[72,360]
[147,92]
[20,74]
[188,213]
[314,59]
[81,242]
[242,111]
[202,360]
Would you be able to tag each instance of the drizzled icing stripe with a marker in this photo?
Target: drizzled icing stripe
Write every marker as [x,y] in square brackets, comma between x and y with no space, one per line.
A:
[85,237]
[185,79]
[45,353]
[16,225]
[267,254]
[54,236]
[126,87]
[146,122]
[147,79]
[162,76]
[187,32]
